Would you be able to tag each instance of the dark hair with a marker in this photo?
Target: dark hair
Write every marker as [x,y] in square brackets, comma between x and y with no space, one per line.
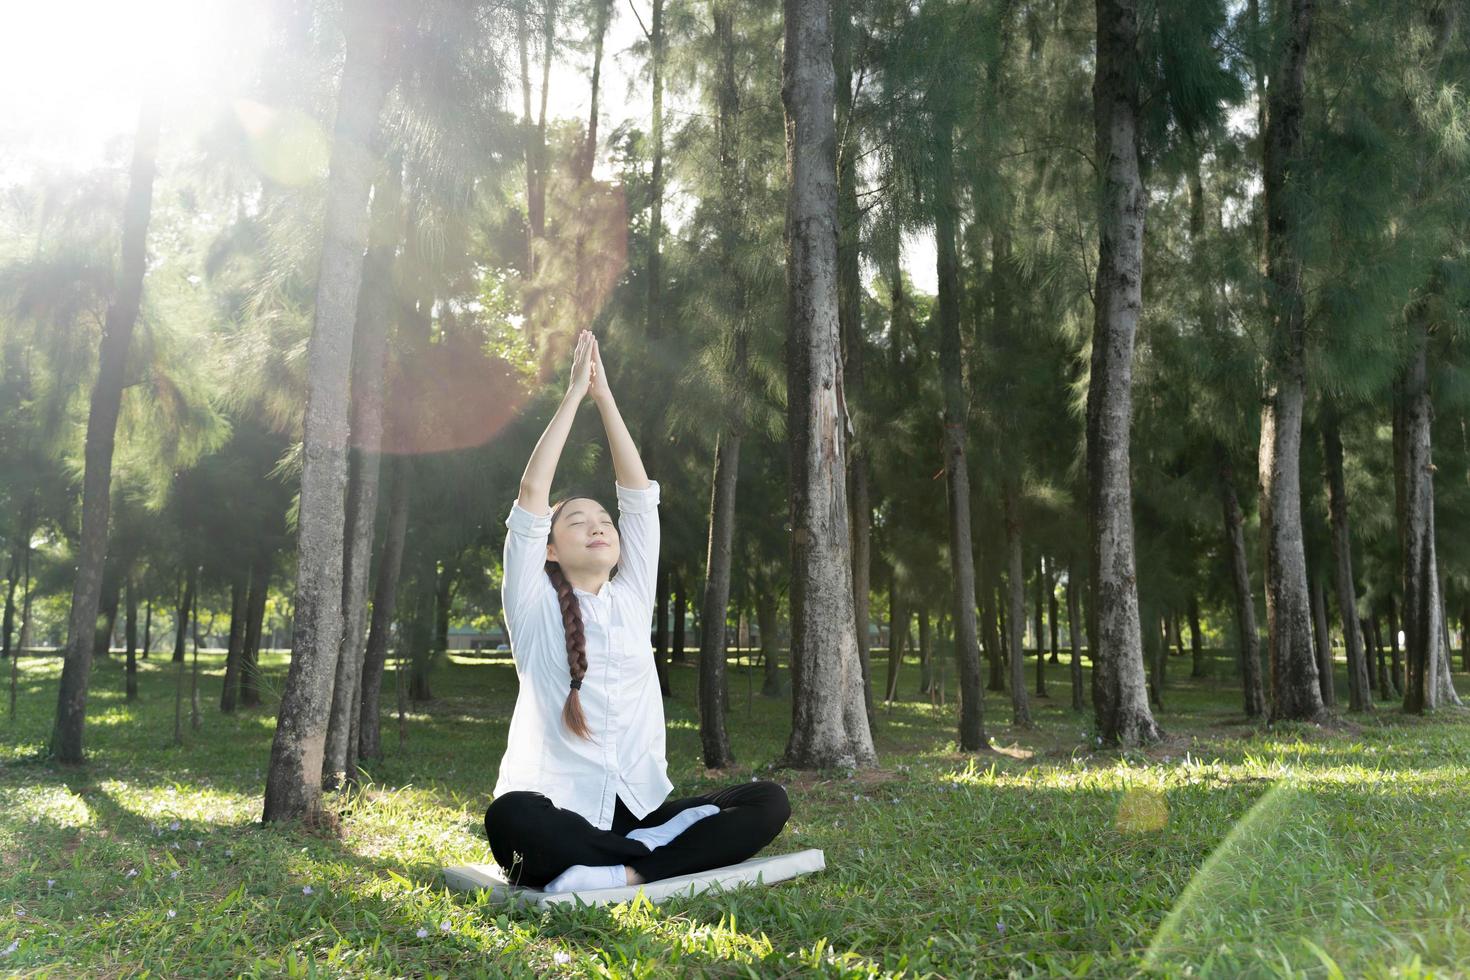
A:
[571,620]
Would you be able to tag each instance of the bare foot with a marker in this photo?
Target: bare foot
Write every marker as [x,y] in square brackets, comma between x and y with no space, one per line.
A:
[634,878]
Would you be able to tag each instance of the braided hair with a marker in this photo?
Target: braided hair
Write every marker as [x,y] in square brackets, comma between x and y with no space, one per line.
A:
[571,619]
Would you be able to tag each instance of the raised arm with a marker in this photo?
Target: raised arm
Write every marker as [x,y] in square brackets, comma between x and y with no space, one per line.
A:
[535,493]
[627,464]
[638,524]
[529,524]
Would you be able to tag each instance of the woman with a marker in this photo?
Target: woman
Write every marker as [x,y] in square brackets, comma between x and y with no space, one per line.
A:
[580,800]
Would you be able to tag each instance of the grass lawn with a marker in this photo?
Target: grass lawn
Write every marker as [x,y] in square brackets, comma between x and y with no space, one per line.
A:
[1229,850]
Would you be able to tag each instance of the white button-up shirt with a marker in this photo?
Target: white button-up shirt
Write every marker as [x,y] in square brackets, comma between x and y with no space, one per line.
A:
[620,694]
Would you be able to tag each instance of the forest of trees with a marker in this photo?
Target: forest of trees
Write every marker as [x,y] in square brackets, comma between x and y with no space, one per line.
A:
[1196,362]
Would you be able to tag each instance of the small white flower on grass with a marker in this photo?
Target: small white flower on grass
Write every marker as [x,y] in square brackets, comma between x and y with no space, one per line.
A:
[174,825]
[562,957]
[172,913]
[422,932]
[174,873]
[132,873]
[15,945]
[306,889]
[444,926]
[198,844]
[1000,926]
[50,882]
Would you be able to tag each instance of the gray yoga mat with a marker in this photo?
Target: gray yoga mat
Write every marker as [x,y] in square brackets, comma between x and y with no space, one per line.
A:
[758,870]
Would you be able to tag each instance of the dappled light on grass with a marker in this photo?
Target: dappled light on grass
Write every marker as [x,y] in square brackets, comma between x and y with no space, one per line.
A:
[938,863]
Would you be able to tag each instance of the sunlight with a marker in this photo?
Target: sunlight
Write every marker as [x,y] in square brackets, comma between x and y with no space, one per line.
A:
[72,72]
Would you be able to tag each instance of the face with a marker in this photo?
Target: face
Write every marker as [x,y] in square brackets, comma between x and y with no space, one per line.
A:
[583,537]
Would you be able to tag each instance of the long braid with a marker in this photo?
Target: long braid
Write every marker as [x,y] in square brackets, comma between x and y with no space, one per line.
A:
[571,620]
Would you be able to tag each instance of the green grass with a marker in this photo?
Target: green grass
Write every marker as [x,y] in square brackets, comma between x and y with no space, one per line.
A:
[1230,850]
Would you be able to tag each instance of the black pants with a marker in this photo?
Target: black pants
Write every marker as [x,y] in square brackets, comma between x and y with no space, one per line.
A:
[534,840]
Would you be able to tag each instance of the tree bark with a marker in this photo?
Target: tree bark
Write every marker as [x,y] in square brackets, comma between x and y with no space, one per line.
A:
[680,614]
[293,781]
[1245,607]
[994,645]
[230,695]
[1416,534]
[1016,618]
[1196,640]
[714,737]
[926,655]
[1074,624]
[254,620]
[111,596]
[1051,612]
[106,403]
[186,612]
[850,332]
[369,365]
[1324,645]
[1040,627]
[1295,691]
[972,735]
[1360,697]
[1120,695]
[385,601]
[1396,663]
[130,629]
[829,720]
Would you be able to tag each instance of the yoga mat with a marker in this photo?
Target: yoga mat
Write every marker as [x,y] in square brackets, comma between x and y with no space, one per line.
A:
[756,871]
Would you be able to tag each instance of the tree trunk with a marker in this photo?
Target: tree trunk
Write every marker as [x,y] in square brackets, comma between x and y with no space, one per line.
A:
[1156,649]
[1074,622]
[972,735]
[147,628]
[230,695]
[656,183]
[1324,645]
[1051,611]
[370,355]
[130,630]
[1396,663]
[850,332]
[713,735]
[766,617]
[1245,607]
[196,717]
[926,658]
[111,596]
[1416,534]
[898,636]
[1016,618]
[422,628]
[293,782]
[1295,691]
[1360,696]
[1041,627]
[1120,695]
[181,625]
[661,629]
[7,628]
[254,620]
[994,644]
[680,614]
[829,719]
[1465,638]
[106,403]
[186,612]
[385,601]
[1196,640]
[1385,680]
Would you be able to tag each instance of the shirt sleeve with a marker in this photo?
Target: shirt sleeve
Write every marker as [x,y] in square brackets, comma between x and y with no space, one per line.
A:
[524,564]
[638,541]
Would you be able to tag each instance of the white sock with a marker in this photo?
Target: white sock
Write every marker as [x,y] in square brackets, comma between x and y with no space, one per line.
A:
[656,837]
[585,877]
